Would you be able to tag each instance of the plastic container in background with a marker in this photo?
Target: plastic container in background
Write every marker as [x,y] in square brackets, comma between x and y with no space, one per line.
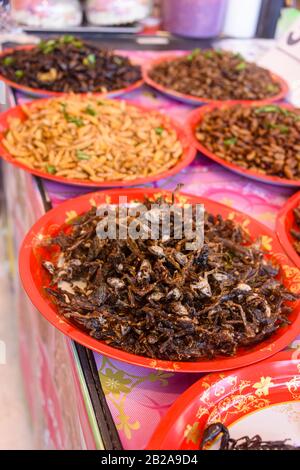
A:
[47,13]
[241,18]
[193,18]
[115,12]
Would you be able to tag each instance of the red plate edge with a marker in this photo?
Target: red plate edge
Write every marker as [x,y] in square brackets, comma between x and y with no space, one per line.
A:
[156,441]
[189,152]
[193,99]
[42,92]
[83,338]
[283,236]
[196,116]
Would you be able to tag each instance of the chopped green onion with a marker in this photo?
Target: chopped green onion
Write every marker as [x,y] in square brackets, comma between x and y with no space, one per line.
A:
[269,108]
[193,54]
[159,130]
[89,110]
[8,60]
[19,73]
[77,43]
[67,39]
[82,155]
[89,60]
[208,54]
[73,119]
[241,66]
[272,108]
[47,46]
[231,141]
[51,169]
[272,88]
[283,129]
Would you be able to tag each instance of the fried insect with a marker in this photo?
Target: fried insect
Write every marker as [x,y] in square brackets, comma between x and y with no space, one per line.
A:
[243,443]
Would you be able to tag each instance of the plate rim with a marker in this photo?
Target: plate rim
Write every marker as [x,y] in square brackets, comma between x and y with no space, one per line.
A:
[280,228]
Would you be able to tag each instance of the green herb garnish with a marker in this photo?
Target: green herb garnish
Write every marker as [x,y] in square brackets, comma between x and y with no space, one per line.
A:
[77,43]
[283,129]
[69,118]
[272,88]
[89,60]
[193,54]
[51,169]
[241,66]
[82,155]
[231,141]
[272,108]
[75,120]
[89,110]
[208,54]
[19,73]
[269,108]
[159,130]
[47,46]
[67,39]
[8,60]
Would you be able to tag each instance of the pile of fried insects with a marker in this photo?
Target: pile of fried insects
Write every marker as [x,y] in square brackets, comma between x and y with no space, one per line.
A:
[156,299]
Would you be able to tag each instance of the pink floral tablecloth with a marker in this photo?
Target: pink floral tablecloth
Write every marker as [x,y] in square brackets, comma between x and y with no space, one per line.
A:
[139,397]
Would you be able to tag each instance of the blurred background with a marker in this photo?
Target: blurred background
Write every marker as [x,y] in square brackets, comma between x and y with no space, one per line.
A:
[186,18]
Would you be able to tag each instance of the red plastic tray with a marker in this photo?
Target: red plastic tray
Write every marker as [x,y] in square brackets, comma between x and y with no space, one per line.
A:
[195,118]
[34,279]
[285,221]
[189,152]
[230,399]
[40,93]
[190,99]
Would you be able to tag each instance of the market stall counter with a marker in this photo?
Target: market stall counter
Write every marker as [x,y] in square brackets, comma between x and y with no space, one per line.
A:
[80,399]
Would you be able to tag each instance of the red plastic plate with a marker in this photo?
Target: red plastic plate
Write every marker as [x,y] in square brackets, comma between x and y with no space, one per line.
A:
[193,100]
[254,400]
[189,152]
[196,116]
[284,223]
[35,278]
[40,93]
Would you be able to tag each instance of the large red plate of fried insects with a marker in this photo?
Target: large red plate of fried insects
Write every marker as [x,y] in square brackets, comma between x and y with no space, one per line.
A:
[154,304]
[254,408]
[287,228]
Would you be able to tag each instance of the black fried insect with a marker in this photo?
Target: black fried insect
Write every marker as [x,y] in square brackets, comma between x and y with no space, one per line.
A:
[243,443]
